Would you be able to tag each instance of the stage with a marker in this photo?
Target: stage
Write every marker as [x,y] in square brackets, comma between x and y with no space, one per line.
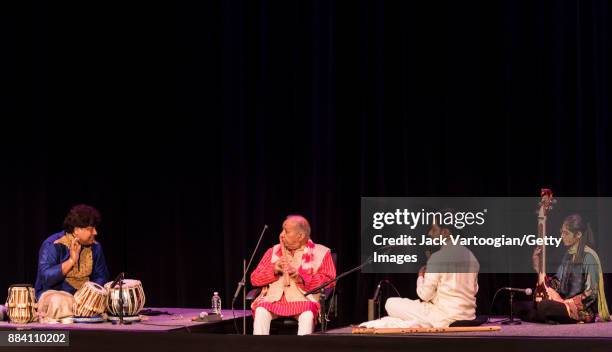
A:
[177,319]
[179,333]
[524,330]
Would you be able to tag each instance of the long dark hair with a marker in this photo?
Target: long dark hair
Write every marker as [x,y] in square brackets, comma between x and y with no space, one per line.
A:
[575,223]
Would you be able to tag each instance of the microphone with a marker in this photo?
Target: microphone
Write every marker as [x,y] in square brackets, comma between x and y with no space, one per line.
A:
[526,291]
[121,276]
[242,282]
[377,291]
[374,302]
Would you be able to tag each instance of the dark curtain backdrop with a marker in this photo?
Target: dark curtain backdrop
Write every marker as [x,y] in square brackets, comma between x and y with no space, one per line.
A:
[191,125]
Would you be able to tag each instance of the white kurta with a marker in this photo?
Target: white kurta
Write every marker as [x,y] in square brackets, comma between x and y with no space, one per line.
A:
[445,296]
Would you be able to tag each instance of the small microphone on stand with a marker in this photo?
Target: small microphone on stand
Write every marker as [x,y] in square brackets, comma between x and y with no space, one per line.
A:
[511,320]
[526,291]
[121,276]
[119,280]
[242,283]
[377,291]
[374,302]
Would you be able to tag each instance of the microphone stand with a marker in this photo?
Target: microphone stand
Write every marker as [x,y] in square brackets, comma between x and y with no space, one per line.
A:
[321,288]
[242,283]
[511,321]
[376,298]
[121,301]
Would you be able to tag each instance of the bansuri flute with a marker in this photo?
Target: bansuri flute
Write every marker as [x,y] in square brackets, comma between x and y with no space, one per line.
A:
[286,278]
[381,331]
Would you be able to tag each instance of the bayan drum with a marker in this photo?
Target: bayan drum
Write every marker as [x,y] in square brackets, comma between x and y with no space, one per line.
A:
[90,300]
[21,303]
[133,298]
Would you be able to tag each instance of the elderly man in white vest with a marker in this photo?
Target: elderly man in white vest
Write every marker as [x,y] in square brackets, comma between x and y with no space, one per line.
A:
[286,271]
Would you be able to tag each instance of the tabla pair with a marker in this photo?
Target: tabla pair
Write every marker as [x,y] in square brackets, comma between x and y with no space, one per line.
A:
[92,299]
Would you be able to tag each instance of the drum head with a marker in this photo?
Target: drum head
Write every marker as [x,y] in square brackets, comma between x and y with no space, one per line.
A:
[95,287]
[129,283]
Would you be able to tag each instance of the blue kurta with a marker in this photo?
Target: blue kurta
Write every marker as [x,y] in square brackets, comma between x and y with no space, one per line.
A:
[50,259]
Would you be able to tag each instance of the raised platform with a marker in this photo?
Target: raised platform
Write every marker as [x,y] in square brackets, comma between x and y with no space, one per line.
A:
[163,333]
[599,330]
[91,341]
[177,319]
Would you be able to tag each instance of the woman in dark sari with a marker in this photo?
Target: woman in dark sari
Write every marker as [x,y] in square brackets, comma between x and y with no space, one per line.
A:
[576,292]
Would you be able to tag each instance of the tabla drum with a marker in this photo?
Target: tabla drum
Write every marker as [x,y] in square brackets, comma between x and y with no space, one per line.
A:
[133,298]
[90,300]
[21,303]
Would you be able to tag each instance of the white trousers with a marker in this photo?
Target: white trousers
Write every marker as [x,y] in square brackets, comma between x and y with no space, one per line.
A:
[263,318]
[416,312]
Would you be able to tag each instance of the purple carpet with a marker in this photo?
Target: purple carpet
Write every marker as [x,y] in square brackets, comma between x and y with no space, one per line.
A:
[179,318]
[593,330]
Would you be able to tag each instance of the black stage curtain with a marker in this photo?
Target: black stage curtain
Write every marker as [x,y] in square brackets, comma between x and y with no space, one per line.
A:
[191,125]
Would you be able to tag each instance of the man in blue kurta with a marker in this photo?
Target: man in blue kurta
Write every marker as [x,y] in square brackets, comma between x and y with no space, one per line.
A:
[66,261]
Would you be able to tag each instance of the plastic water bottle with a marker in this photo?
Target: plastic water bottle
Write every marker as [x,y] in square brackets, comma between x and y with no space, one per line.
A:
[216,304]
